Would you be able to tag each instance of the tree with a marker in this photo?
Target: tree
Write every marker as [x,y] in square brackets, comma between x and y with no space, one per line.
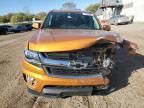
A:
[25,18]
[30,17]
[3,19]
[21,16]
[41,15]
[69,5]
[93,7]
[8,16]
[13,19]
[16,18]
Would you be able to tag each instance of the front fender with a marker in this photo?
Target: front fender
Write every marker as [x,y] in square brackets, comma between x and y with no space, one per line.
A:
[131,46]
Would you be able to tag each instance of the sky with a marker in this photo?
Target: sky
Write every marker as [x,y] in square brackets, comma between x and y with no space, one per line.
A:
[35,6]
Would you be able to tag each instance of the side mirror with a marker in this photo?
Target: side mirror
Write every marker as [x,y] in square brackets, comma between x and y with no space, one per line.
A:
[36,25]
[106,27]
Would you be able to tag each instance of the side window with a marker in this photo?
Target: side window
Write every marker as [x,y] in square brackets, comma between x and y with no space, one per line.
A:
[96,24]
[50,20]
[47,21]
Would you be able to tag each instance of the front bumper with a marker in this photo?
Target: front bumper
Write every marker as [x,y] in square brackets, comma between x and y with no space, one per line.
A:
[63,91]
[42,80]
[123,21]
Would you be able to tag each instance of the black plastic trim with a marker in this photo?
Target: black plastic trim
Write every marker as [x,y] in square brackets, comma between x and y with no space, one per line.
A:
[62,91]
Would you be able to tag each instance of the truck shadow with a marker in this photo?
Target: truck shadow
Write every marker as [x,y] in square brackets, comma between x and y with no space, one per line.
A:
[125,66]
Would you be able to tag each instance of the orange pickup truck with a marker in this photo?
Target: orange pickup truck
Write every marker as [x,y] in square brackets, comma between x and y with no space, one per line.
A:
[70,54]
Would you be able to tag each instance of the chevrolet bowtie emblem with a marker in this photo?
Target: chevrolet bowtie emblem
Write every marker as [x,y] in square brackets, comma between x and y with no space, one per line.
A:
[77,65]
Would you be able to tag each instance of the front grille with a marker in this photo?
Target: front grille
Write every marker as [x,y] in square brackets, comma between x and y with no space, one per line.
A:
[57,56]
[57,71]
[83,55]
[84,62]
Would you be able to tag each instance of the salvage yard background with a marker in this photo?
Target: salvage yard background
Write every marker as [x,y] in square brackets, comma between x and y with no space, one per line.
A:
[127,79]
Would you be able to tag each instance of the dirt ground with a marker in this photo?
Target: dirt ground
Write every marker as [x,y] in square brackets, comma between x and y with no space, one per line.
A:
[127,80]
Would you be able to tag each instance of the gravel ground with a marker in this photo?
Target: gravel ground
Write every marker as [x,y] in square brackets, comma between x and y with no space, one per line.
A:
[127,80]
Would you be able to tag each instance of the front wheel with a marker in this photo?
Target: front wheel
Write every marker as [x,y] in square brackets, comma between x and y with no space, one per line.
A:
[34,97]
[17,31]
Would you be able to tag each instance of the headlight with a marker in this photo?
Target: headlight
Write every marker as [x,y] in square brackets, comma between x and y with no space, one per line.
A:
[32,57]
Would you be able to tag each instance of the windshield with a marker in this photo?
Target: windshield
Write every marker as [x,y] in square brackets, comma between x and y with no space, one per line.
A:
[71,20]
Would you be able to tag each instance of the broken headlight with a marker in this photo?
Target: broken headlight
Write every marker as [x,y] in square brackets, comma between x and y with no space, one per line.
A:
[32,57]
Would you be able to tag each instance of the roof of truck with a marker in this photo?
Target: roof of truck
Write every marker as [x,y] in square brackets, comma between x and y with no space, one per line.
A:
[75,10]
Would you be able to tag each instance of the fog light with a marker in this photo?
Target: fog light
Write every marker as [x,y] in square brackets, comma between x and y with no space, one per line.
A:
[102,87]
[30,80]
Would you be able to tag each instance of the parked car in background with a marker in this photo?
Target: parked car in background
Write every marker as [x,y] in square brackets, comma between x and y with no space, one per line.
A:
[131,18]
[28,26]
[3,30]
[18,28]
[7,27]
[119,19]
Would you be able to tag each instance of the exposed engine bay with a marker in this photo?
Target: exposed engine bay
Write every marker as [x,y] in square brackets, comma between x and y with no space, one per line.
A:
[97,59]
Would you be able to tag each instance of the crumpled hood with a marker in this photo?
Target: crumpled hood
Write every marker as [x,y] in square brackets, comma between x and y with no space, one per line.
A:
[53,40]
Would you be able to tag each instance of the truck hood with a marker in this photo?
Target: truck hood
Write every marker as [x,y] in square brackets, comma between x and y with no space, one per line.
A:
[54,40]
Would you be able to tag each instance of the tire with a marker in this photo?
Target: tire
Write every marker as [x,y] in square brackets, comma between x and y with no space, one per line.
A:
[6,32]
[34,96]
[17,31]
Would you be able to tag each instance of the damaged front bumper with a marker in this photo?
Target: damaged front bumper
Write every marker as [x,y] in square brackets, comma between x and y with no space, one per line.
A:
[41,79]
[46,82]
[63,91]
[67,91]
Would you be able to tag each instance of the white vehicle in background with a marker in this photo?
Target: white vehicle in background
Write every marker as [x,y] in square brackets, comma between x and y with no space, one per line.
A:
[119,19]
[131,18]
